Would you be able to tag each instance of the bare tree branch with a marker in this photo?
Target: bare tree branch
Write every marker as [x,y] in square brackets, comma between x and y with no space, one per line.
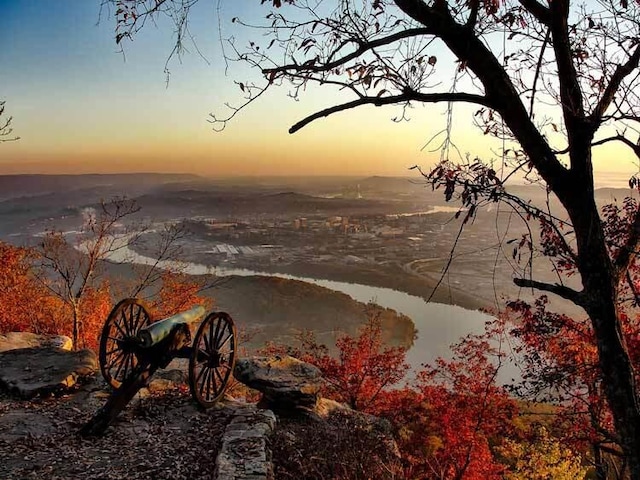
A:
[408,96]
[363,47]
[616,80]
[560,290]
[619,138]
[5,126]
[538,10]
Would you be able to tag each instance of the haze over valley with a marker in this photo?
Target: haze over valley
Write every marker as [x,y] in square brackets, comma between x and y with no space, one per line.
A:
[394,234]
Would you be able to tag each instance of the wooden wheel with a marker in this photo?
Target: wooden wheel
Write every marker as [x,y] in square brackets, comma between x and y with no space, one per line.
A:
[118,340]
[212,358]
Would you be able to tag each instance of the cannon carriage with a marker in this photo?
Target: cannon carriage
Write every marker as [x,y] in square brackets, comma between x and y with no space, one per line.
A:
[132,348]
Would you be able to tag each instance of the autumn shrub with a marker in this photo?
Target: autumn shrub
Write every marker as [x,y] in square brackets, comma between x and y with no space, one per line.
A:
[94,310]
[28,303]
[25,302]
[539,458]
[446,423]
[362,370]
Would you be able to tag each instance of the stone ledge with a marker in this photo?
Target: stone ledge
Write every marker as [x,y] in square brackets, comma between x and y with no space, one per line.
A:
[245,453]
[16,340]
[29,372]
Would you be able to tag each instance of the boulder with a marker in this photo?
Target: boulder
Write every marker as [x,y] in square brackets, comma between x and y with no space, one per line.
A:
[15,340]
[29,372]
[285,382]
[325,408]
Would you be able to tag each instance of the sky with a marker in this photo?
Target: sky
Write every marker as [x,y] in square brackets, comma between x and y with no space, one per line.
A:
[81,106]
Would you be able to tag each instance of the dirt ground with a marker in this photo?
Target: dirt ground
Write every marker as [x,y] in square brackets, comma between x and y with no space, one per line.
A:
[161,436]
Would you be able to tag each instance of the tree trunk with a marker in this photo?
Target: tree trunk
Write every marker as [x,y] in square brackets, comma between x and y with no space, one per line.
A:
[76,326]
[601,472]
[601,292]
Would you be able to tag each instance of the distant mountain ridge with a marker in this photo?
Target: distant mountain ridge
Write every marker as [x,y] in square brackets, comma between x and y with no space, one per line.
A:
[12,186]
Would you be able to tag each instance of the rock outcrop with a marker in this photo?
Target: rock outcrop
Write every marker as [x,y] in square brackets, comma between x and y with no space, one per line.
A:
[15,340]
[29,372]
[381,427]
[287,384]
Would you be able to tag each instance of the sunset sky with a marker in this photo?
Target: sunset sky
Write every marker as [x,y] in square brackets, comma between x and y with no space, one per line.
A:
[79,106]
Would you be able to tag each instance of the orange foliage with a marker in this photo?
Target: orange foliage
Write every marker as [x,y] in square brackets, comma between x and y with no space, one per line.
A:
[463,413]
[25,303]
[95,308]
[177,293]
[445,424]
[364,368]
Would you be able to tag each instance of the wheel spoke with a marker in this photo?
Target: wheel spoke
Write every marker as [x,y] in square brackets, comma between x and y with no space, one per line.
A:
[207,344]
[118,358]
[219,377]
[218,332]
[199,376]
[123,318]
[212,344]
[113,351]
[131,320]
[119,369]
[122,332]
[127,360]
[205,383]
[113,360]
[136,324]
[202,353]
[219,346]
[215,385]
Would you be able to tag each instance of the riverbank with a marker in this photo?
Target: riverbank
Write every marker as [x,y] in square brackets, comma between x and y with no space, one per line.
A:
[392,277]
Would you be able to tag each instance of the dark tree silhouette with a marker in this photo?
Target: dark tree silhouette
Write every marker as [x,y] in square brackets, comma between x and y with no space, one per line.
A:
[556,80]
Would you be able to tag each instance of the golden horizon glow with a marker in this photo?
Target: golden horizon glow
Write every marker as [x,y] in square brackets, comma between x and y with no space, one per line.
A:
[80,108]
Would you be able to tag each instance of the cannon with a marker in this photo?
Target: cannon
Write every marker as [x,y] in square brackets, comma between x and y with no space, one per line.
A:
[132,348]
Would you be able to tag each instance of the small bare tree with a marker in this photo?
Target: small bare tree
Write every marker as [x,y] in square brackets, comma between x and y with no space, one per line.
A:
[69,268]
[72,265]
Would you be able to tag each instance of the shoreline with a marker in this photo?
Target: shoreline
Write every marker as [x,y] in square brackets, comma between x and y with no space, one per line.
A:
[393,277]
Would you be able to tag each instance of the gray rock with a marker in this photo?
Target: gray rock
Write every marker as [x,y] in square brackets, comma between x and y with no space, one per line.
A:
[245,452]
[327,407]
[381,427]
[15,340]
[17,424]
[285,382]
[41,371]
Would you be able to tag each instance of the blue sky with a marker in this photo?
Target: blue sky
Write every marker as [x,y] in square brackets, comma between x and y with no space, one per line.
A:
[81,106]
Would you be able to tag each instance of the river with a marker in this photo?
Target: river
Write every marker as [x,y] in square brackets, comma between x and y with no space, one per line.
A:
[438,325]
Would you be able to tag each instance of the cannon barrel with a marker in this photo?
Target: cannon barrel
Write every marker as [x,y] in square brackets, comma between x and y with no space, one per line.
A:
[155,332]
